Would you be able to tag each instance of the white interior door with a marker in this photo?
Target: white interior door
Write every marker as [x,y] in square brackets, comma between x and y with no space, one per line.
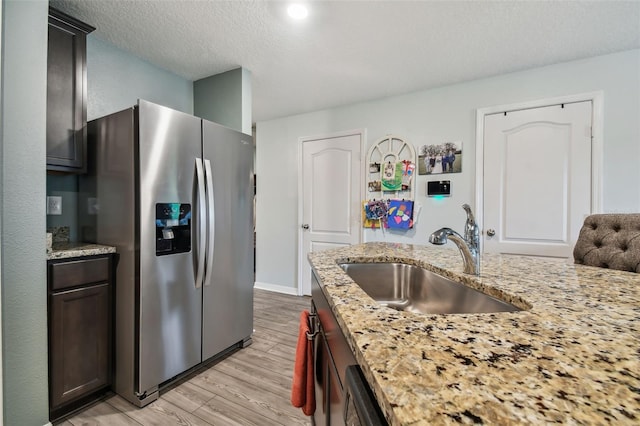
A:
[537,179]
[331,185]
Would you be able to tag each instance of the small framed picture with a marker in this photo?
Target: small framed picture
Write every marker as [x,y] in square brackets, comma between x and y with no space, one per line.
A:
[443,158]
[374,167]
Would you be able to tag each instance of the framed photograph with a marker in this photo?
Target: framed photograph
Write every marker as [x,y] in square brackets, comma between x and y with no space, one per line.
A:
[375,186]
[438,159]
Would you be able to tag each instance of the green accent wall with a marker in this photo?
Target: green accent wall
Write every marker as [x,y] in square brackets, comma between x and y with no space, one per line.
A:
[115,81]
[22,192]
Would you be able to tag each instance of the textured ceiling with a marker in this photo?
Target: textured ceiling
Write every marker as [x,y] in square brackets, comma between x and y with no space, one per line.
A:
[352,51]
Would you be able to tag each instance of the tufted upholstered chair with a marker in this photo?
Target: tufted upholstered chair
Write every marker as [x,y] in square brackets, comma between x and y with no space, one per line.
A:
[610,241]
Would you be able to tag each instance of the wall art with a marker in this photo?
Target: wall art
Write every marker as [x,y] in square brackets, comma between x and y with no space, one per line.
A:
[438,159]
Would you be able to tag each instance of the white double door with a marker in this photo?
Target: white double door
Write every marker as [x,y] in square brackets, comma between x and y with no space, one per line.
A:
[537,179]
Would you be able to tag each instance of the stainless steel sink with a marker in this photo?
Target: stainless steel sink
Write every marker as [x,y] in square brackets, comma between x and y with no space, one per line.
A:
[414,289]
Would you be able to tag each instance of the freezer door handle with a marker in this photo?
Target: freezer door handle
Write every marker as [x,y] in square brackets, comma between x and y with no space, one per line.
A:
[201,223]
[211,224]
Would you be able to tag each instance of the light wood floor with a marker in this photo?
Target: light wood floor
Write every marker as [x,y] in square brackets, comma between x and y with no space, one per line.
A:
[248,387]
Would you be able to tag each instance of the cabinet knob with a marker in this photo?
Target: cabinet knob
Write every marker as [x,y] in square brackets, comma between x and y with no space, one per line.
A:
[305,226]
[491,232]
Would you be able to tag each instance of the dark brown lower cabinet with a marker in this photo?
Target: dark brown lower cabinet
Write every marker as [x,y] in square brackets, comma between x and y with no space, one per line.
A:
[80,332]
[322,379]
[332,355]
[336,401]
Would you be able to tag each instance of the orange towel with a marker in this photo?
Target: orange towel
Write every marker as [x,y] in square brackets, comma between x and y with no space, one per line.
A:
[303,387]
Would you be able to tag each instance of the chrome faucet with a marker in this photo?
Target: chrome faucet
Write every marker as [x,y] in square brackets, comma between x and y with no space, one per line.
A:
[469,245]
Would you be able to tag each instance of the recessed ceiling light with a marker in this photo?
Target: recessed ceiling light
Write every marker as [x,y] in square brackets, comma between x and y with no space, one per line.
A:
[297,11]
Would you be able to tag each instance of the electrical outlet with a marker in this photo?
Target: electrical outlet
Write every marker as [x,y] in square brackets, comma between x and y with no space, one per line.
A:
[54,205]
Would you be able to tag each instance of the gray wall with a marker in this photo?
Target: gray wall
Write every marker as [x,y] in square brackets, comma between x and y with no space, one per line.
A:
[22,191]
[115,81]
[225,98]
[436,116]
[65,186]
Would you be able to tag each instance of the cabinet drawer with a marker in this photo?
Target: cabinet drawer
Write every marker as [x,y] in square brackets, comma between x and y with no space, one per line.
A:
[78,272]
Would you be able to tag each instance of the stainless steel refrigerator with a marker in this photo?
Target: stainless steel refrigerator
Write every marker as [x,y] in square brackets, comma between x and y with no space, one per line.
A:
[174,194]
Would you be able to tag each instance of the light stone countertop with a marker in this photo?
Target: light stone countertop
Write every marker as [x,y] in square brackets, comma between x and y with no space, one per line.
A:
[572,357]
[68,250]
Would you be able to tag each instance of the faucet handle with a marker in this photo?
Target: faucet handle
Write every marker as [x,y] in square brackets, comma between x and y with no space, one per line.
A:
[467,209]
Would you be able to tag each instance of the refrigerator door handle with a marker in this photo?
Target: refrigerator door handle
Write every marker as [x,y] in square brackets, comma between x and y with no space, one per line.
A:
[211,225]
[201,223]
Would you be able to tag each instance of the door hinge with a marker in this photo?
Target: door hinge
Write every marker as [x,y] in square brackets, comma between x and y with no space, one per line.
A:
[588,132]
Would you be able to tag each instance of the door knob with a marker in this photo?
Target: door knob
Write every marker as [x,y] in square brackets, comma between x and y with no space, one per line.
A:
[305,226]
[491,232]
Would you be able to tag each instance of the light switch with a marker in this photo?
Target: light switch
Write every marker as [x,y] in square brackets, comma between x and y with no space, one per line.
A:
[54,205]
[92,205]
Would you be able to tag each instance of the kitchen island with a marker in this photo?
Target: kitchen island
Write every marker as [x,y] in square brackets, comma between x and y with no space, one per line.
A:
[572,355]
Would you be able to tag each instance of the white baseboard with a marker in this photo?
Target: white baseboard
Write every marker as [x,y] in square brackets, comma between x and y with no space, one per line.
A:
[276,288]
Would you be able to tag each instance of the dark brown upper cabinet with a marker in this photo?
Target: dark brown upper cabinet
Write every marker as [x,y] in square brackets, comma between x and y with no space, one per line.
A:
[66,93]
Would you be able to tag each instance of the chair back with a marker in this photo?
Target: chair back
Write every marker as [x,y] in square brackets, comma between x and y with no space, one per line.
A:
[610,241]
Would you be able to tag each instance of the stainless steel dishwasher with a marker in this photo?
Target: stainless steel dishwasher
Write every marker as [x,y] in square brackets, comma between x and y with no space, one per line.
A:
[360,406]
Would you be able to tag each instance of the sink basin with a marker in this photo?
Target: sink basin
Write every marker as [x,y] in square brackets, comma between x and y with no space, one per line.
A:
[414,289]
